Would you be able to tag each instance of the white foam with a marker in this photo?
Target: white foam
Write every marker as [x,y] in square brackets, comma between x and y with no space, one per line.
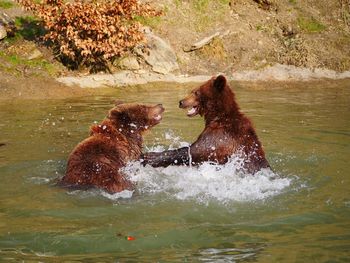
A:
[121,195]
[208,182]
[126,194]
[205,183]
[39,180]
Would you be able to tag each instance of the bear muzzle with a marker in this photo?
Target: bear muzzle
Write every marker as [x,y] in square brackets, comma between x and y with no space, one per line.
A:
[157,113]
[189,103]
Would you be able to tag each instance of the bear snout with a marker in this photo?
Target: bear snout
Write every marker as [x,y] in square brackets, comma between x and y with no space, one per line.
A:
[181,103]
[160,106]
[158,109]
[190,101]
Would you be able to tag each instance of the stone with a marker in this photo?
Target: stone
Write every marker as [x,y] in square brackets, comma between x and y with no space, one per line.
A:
[3,32]
[129,63]
[158,54]
[35,54]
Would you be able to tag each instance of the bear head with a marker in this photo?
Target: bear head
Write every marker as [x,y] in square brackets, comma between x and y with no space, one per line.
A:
[136,117]
[214,96]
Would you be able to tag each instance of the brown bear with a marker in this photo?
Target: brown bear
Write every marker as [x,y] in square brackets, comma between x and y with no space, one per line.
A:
[227,131]
[96,161]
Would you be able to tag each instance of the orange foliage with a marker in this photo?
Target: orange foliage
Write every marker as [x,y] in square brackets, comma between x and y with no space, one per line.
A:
[90,32]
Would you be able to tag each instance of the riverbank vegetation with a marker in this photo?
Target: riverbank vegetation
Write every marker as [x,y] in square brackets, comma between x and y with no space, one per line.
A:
[54,37]
[90,33]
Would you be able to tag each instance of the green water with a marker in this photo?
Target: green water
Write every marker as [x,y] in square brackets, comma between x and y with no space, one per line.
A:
[305,130]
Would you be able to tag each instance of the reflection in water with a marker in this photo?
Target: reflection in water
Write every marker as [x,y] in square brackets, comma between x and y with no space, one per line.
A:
[298,213]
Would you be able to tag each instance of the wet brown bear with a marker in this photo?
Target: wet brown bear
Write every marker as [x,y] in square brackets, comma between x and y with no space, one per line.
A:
[95,162]
[227,131]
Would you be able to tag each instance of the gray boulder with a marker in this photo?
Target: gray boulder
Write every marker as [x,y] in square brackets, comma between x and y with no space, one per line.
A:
[158,54]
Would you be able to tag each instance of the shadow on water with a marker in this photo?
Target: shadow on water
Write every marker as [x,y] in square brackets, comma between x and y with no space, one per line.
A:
[300,214]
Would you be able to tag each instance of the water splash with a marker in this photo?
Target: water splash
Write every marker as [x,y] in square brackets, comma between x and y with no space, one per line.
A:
[204,183]
[207,182]
[126,194]
[171,139]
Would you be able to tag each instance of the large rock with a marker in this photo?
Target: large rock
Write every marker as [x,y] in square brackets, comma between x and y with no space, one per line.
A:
[35,54]
[129,63]
[3,32]
[158,54]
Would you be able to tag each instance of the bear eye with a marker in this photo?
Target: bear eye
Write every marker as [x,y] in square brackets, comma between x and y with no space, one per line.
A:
[196,93]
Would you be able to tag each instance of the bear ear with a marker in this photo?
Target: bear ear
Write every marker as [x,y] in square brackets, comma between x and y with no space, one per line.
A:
[118,114]
[220,83]
[118,102]
[113,113]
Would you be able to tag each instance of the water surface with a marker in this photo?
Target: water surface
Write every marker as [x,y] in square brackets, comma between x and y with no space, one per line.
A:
[299,213]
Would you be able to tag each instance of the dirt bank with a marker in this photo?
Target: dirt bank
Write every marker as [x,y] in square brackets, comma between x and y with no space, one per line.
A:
[311,34]
[19,87]
[282,40]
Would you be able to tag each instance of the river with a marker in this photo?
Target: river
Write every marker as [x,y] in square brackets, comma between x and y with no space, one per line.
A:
[298,213]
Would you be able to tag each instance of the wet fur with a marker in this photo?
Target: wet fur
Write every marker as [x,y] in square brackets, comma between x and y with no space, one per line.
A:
[96,161]
[227,131]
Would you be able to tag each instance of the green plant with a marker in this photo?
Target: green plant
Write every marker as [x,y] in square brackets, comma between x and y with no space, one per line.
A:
[6,4]
[201,5]
[310,25]
[26,27]
[14,61]
[29,28]
[91,33]
[148,21]
[178,3]
[207,12]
